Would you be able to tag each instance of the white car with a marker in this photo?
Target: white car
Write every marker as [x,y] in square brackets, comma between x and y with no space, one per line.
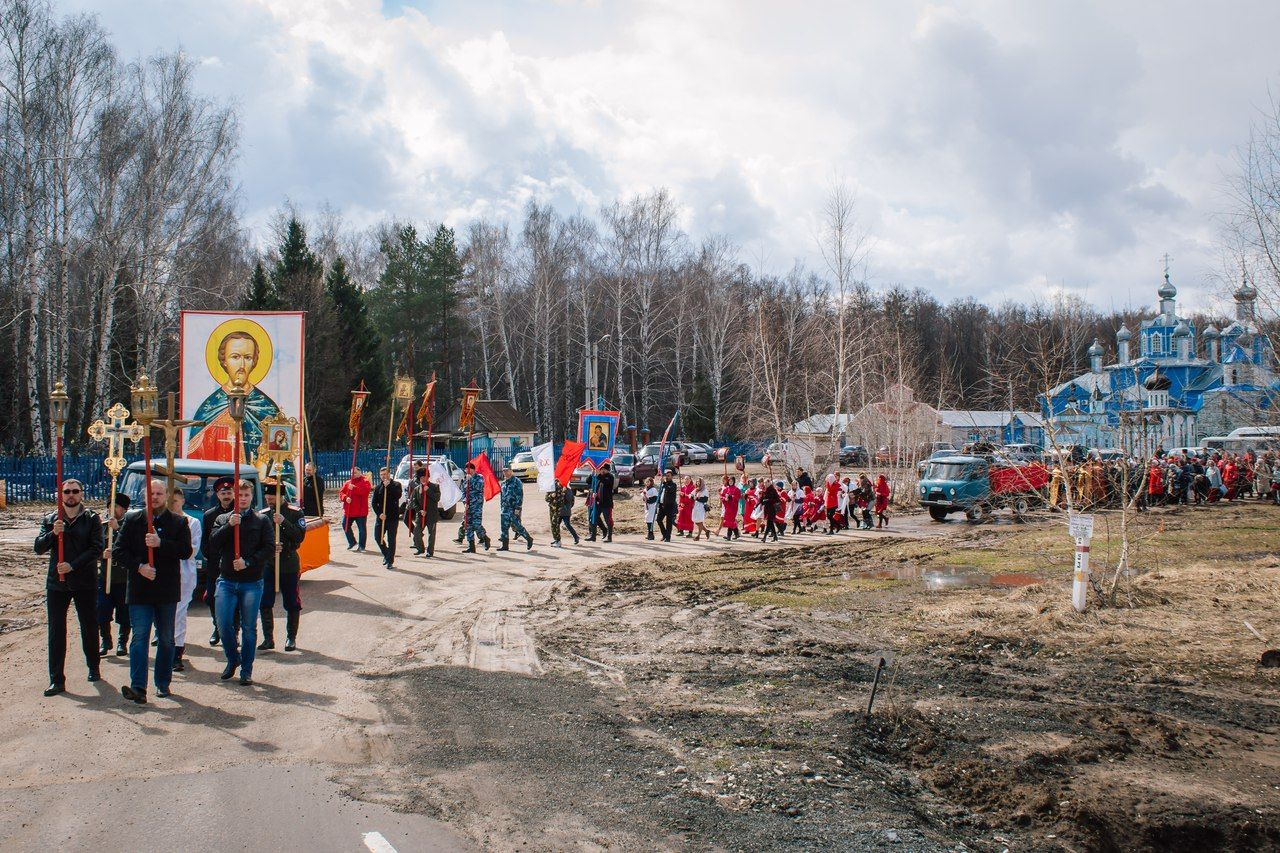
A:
[402,470]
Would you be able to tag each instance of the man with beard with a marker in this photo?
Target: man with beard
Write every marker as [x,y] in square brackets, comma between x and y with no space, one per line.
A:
[152,562]
[73,579]
[312,491]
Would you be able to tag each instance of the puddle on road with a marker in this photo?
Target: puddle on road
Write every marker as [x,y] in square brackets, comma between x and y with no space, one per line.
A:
[951,577]
[959,578]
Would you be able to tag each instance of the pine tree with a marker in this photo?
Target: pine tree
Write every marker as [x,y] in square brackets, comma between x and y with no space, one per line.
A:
[414,300]
[297,274]
[261,295]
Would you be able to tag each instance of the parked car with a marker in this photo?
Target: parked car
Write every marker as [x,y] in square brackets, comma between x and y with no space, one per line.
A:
[632,469]
[694,454]
[1022,453]
[1108,454]
[523,466]
[854,454]
[784,454]
[402,470]
[581,479]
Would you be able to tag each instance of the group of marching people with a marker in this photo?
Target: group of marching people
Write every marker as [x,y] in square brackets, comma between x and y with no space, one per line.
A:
[1188,479]
[421,510]
[763,507]
[147,579]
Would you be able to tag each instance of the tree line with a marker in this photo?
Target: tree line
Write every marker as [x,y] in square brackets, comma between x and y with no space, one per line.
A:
[119,206]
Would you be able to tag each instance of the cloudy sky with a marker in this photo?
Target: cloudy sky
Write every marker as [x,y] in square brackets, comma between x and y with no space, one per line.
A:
[997,149]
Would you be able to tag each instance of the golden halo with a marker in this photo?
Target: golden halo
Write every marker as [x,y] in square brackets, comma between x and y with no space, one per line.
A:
[238,324]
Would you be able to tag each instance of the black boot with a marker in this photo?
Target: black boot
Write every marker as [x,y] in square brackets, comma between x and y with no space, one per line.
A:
[268,631]
[122,643]
[291,630]
[528,542]
[178,664]
[486,543]
[105,631]
[503,546]
[470,549]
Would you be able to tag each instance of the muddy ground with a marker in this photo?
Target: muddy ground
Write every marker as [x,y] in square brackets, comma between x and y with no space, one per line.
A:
[633,697]
[718,702]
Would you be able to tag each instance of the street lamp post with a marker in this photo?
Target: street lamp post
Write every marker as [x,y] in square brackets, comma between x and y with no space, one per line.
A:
[145,402]
[236,399]
[593,372]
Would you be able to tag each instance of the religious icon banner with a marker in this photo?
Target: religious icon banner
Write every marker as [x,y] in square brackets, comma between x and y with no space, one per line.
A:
[259,352]
[598,431]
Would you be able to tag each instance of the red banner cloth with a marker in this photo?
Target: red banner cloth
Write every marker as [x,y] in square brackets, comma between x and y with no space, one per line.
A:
[570,456]
[491,485]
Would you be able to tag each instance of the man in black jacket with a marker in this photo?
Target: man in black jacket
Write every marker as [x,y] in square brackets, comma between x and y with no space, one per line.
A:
[667,494]
[240,579]
[293,529]
[312,491]
[153,587]
[603,519]
[112,602]
[223,489]
[74,579]
[423,512]
[386,503]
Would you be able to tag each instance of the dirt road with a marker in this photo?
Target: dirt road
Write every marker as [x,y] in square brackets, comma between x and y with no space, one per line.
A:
[87,770]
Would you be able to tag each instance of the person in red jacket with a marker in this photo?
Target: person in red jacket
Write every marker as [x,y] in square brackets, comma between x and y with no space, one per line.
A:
[882,502]
[355,507]
[831,501]
[1231,478]
[1155,484]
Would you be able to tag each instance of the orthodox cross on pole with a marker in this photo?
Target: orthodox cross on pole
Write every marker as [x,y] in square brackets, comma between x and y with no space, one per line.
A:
[170,427]
[1166,264]
[115,432]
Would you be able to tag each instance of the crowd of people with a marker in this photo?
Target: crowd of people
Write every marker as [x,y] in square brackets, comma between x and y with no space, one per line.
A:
[763,508]
[145,581]
[1168,478]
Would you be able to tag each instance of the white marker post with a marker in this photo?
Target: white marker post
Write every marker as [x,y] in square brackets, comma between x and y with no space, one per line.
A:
[1080,526]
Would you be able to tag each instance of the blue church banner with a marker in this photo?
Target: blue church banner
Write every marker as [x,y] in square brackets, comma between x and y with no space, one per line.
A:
[598,430]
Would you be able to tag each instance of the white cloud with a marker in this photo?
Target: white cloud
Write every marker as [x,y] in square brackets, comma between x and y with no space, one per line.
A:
[996,151]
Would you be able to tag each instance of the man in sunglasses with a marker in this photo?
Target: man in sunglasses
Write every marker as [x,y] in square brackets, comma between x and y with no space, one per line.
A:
[73,579]
[222,491]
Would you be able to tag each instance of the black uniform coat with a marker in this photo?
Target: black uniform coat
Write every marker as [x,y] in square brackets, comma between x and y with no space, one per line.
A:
[292,531]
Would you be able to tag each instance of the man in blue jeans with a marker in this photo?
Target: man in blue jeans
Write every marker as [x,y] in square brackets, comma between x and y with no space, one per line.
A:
[152,565]
[240,579]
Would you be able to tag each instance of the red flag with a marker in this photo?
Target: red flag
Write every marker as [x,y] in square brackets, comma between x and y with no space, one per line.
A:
[570,456]
[491,485]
